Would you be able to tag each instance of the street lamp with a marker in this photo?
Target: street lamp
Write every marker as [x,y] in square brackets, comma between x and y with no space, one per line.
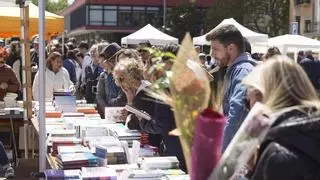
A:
[164,13]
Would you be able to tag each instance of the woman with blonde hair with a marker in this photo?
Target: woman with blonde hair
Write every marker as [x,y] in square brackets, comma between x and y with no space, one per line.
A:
[57,77]
[128,74]
[291,148]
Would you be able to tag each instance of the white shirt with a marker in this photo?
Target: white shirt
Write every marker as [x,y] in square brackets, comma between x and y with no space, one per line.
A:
[86,62]
[54,82]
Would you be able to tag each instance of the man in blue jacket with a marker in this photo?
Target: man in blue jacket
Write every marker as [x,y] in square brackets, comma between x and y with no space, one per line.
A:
[228,49]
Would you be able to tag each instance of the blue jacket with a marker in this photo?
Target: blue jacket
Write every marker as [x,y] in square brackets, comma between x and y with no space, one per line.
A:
[70,67]
[108,93]
[235,94]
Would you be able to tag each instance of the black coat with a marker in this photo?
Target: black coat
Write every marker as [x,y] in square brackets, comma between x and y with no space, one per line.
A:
[161,123]
[312,67]
[291,148]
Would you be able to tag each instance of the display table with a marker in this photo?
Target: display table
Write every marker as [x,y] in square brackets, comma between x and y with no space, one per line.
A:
[14,115]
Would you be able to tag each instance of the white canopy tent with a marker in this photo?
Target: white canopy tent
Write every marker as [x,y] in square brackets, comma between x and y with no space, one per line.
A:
[290,43]
[150,33]
[253,37]
[294,43]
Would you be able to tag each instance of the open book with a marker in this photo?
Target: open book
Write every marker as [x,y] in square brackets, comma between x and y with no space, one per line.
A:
[138,112]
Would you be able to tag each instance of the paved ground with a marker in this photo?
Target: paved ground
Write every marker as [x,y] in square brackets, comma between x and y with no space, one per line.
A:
[25,168]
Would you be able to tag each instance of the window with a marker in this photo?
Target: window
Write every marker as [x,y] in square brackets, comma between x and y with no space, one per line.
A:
[138,16]
[110,15]
[152,16]
[124,16]
[95,15]
[307,26]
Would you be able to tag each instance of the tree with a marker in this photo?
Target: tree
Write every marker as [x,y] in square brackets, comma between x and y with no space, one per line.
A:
[223,9]
[185,18]
[269,16]
[54,7]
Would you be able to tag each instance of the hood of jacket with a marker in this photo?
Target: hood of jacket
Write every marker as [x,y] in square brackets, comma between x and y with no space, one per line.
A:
[298,129]
[243,61]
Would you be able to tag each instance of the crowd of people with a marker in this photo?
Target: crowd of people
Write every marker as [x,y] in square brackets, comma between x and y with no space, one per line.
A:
[113,76]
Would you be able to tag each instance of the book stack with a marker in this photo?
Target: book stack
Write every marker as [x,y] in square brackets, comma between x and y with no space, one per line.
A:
[98,173]
[72,149]
[73,114]
[55,174]
[53,114]
[114,154]
[63,141]
[168,162]
[148,151]
[87,110]
[76,160]
[146,174]
[122,133]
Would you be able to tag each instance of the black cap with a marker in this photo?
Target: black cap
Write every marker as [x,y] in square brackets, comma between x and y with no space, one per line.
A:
[110,51]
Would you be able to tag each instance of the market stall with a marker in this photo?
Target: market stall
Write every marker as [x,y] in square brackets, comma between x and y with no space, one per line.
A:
[253,37]
[150,33]
[10,21]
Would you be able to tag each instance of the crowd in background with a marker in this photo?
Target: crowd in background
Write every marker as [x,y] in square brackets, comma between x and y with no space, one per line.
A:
[111,76]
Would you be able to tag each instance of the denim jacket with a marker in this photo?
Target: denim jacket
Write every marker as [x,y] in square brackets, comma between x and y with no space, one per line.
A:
[235,94]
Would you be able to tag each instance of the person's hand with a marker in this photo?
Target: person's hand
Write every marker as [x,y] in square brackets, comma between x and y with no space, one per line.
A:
[130,95]
[123,115]
[34,68]
[72,89]
[4,85]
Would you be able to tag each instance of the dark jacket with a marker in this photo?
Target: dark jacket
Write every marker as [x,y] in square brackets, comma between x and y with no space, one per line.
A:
[70,67]
[91,81]
[312,68]
[162,122]
[234,107]
[291,148]
[108,93]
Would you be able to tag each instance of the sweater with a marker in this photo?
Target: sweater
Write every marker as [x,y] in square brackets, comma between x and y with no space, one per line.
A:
[8,76]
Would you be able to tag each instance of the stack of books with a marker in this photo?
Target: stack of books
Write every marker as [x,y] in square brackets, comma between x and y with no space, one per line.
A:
[87,110]
[114,154]
[146,174]
[124,134]
[54,174]
[63,141]
[98,173]
[166,162]
[72,149]
[76,160]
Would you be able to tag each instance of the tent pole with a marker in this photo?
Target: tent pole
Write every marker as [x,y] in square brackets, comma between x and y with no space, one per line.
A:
[28,65]
[41,116]
[23,61]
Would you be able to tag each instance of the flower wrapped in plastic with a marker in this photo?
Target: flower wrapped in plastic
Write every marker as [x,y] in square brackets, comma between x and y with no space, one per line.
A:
[207,143]
[190,93]
[184,84]
[251,133]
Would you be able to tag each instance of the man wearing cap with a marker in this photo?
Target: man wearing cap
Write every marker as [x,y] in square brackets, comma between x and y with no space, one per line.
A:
[108,93]
[8,81]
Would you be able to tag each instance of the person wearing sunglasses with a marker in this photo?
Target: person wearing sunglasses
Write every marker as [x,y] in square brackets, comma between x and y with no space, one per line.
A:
[8,81]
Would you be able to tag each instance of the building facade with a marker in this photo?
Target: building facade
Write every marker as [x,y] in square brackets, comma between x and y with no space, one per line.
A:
[307,14]
[113,19]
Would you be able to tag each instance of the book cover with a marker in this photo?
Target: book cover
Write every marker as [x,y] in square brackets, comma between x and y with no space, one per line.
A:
[62,174]
[138,112]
